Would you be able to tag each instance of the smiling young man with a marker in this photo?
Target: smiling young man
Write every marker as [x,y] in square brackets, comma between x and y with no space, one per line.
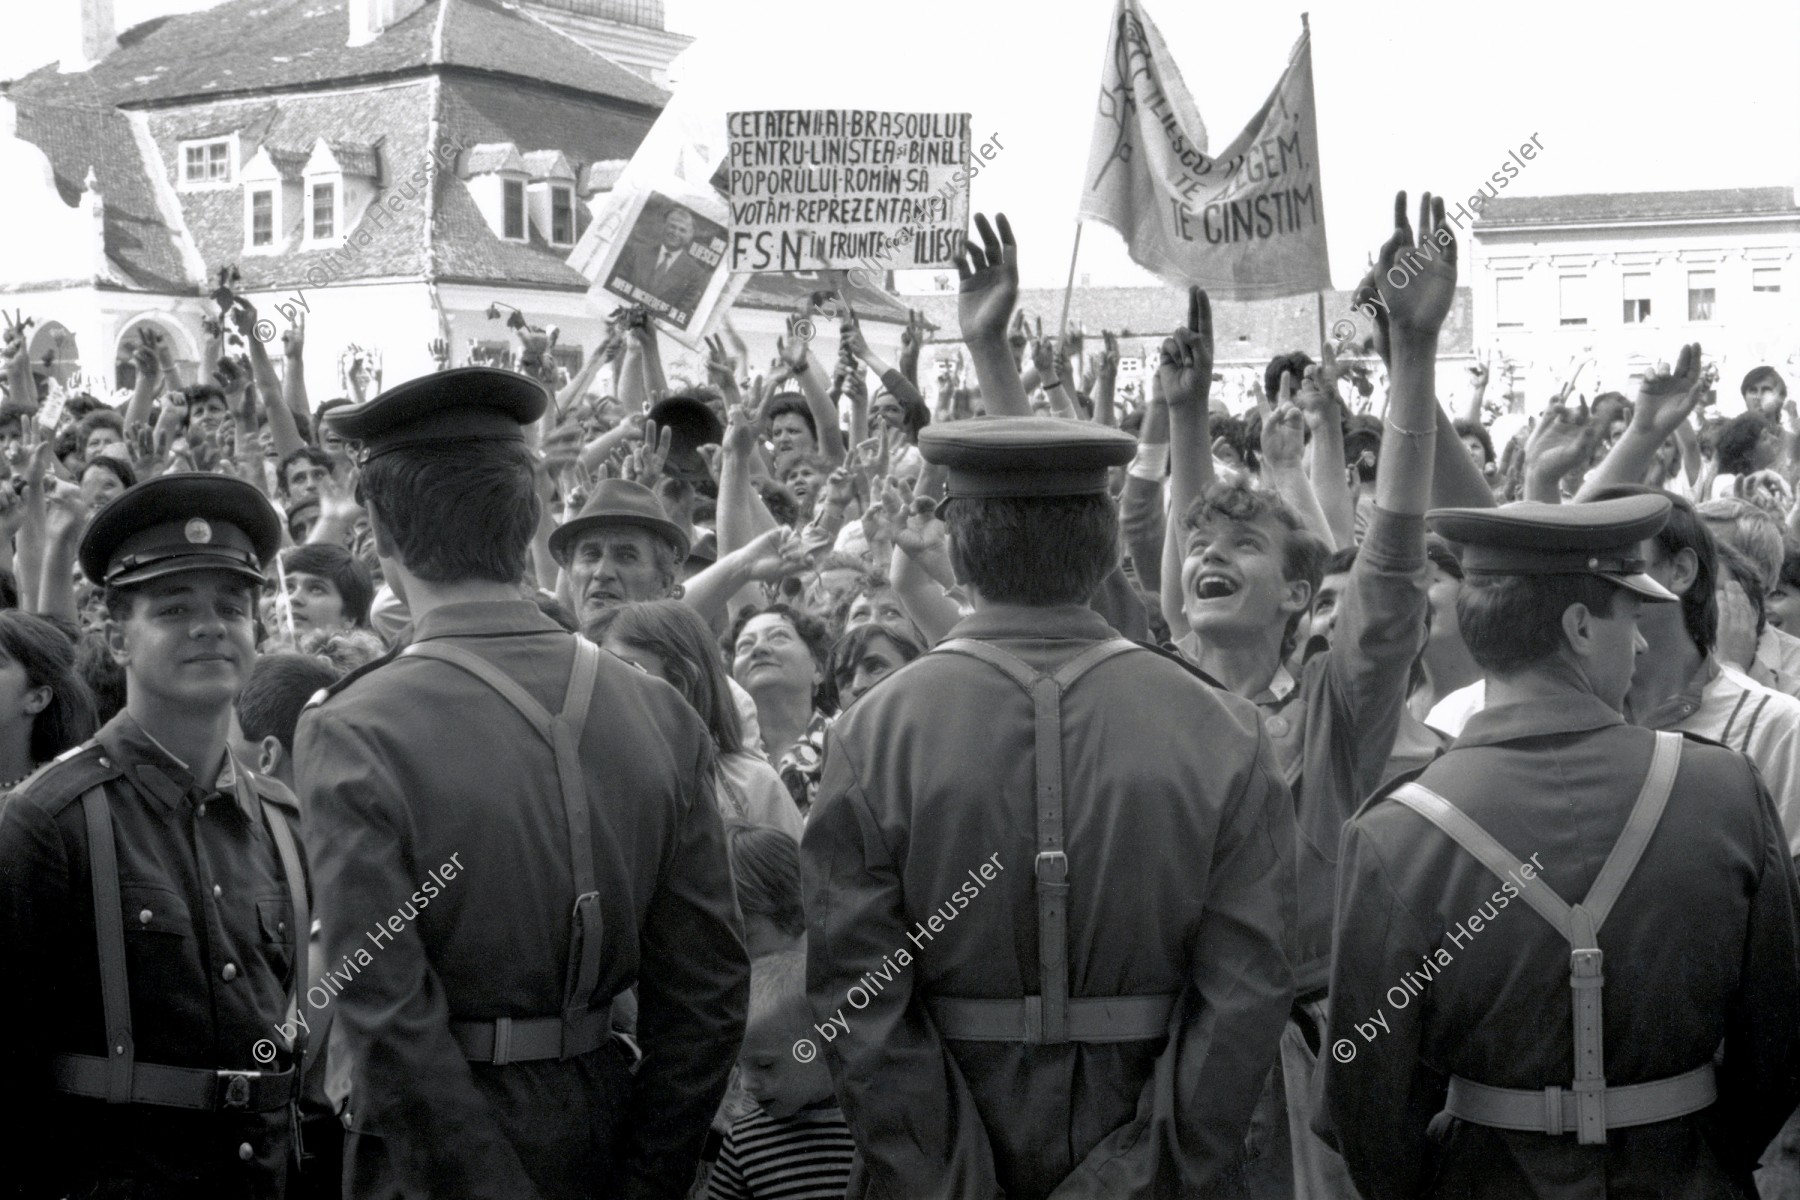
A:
[153,888]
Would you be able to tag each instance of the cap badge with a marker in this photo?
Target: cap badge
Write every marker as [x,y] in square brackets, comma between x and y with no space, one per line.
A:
[198,531]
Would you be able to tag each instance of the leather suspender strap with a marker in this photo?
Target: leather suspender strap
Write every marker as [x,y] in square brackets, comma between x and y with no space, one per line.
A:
[296,881]
[109,928]
[563,733]
[1580,925]
[1047,1013]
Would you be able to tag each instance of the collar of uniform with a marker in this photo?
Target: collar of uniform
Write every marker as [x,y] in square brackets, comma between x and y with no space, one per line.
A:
[1682,704]
[1575,713]
[1001,621]
[156,772]
[483,618]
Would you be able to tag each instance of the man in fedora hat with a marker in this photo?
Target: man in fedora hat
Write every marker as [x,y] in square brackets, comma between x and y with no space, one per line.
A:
[510,828]
[153,903]
[620,547]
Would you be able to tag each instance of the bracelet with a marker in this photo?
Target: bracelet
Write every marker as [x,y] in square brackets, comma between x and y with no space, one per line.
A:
[1412,433]
[1048,384]
[1151,462]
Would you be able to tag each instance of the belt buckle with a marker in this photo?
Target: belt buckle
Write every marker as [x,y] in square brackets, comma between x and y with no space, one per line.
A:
[1052,866]
[237,1087]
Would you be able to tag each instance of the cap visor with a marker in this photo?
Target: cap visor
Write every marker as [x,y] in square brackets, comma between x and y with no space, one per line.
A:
[176,566]
[1643,585]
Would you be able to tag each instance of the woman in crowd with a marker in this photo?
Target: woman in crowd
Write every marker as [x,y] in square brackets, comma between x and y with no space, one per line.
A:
[45,708]
[102,478]
[765,872]
[327,589]
[669,640]
[867,654]
[779,657]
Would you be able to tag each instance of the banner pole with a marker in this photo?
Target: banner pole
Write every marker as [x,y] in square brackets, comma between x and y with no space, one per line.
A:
[1321,299]
[1062,328]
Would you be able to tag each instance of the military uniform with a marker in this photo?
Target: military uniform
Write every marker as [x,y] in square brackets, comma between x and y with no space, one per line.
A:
[148,924]
[1049,949]
[1565,961]
[509,829]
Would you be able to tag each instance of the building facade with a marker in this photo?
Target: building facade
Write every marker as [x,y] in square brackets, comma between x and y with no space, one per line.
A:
[1629,278]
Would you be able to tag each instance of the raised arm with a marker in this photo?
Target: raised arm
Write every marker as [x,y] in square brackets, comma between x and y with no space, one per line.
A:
[985,300]
[282,428]
[1106,379]
[1664,402]
[1184,377]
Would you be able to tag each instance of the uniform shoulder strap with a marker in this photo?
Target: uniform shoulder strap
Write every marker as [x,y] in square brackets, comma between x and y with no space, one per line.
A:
[1480,844]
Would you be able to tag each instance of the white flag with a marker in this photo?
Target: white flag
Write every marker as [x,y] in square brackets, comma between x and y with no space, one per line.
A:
[1246,224]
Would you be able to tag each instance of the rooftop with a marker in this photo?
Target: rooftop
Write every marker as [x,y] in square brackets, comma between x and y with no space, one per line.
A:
[1630,207]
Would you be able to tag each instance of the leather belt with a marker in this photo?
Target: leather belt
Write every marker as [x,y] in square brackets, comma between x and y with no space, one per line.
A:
[177,1087]
[529,1039]
[1558,1110]
[1097,1019]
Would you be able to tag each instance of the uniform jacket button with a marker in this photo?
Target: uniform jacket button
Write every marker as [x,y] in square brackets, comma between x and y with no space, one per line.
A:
[200,811]
[245,1152]
[229,973]
[145,916]
[217,891]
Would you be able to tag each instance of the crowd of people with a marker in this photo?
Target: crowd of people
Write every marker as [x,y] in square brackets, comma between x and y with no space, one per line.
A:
[1054,792]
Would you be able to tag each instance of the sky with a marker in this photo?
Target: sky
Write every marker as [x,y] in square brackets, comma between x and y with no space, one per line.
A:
[1621,95]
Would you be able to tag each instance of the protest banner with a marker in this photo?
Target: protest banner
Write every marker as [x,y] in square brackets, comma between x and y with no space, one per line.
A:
[834,188]
[1246,224]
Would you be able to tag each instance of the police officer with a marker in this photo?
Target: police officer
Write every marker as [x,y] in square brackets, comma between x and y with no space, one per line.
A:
[1565,958]
[153,900]
[1049,876]
[510,828]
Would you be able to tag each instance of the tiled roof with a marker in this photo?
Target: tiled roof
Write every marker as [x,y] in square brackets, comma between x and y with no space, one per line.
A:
[488,157]
[549,164]
[357,159]
[1244,331]
[139,242]
[281,45]
[601,176]
[1636,206]
[287,163]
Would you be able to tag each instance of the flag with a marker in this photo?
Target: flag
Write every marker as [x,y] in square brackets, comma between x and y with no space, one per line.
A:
[1246,224]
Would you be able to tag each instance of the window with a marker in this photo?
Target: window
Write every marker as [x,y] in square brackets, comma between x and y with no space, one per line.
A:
[1637,299]
[262,217]
[1765,279]
[1700,295]
[513,224]
[1509,297]
[324,212]
[206,162]
[1572,299]
[562,216]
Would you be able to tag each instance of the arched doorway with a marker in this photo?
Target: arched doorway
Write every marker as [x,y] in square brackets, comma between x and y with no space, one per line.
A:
[54,354]
[181,344]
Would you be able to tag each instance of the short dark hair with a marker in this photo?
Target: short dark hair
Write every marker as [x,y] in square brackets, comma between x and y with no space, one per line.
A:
[1478,431]
[199,393]
[1037,551]
[814,632]
[119,467]
[792,402]
[103,418]
[47,656]
[1303,553]
[1295,362]
[277,690]
[1737,443]
[1685,530]
[1510,622]
[849,648]
[352,580]
[104,677]
[1790,567]
[1759,376]
[765,873]
[780,502]
[456,510]
[311,454]
[678,635]
[1339,562]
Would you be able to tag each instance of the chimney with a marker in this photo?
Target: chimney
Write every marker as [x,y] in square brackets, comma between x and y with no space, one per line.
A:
[368,18]
[87,34]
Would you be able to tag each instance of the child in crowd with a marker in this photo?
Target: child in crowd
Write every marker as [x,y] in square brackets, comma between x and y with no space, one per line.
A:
[794,1144]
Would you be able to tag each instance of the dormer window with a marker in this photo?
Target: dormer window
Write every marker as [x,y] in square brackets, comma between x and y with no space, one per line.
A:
[562,216]
[262,217]
[513,191]
[208,163]
[323,207]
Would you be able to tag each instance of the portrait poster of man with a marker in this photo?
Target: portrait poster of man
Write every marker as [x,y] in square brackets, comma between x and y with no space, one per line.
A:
[668,261]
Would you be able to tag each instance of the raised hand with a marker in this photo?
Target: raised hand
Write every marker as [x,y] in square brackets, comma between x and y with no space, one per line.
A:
[1563,441]
[647,461]
[912,338]
[1108,370]
[1421,300]
[721,367]
[792,349]
[774,555]
[1283,435]
[990,280]
[1479,372]
[233,377]
[925,541]
[439,349]
[740,431]
[1665,398]
[1185,370]
[1044,358]
[143,357]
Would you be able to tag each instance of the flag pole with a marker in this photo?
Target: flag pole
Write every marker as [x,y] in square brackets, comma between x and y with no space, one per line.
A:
[1062,328]
[1321,299]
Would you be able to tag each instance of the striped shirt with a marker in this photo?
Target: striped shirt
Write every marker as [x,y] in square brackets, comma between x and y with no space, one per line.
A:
[806,1157]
